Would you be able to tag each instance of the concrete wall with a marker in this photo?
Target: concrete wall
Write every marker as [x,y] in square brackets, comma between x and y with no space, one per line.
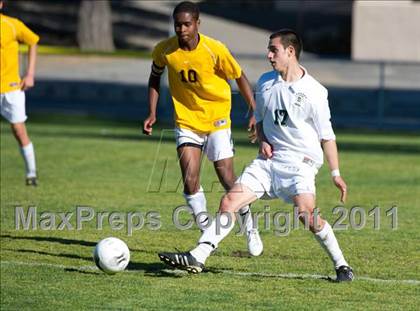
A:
[386,30]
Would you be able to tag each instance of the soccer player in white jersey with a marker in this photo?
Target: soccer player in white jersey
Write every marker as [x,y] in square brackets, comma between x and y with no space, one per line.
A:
[294,132]
[198,70]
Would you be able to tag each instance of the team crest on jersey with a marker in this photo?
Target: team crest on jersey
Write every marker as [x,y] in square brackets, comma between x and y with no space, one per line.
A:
[300,99]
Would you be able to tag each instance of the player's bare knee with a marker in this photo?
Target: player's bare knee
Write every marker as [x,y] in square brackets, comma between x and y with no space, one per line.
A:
[306,216]
[311,220]
[19,131]
[16,129]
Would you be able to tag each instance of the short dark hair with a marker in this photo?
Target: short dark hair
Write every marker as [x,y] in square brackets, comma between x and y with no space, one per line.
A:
[187,7]
[289,37]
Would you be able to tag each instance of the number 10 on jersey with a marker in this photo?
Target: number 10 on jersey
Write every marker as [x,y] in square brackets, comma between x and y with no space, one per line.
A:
[190,76]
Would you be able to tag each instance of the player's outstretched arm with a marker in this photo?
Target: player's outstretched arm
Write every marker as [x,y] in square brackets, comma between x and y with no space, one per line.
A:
[154,88]
[246,92]
[28,80]
[331,154]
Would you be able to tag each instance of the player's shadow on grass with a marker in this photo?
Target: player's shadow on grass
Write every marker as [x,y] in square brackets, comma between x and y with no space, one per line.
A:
[32,251]
[66,241]
[67,269]
[50,239]
[155,269]
[151,269]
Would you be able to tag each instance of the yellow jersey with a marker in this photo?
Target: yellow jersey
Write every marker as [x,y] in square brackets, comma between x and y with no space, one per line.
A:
[13,31]
[198,82]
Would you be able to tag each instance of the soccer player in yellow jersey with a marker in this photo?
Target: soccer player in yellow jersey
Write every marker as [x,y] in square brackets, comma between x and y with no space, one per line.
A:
[12,100]
[198,70]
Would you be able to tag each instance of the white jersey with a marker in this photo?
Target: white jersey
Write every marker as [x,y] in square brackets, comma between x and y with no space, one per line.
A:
[295,115]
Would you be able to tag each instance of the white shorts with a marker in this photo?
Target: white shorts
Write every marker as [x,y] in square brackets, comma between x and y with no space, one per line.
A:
[217,145]
[275,178]
[13,106]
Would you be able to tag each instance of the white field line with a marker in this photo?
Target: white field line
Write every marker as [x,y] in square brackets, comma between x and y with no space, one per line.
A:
[51,265]
[236,273]
[317,277]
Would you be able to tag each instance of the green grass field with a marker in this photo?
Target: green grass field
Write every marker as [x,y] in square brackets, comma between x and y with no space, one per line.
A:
[110,167]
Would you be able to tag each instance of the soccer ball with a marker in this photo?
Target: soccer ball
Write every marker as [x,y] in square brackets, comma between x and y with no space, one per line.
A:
[111,255]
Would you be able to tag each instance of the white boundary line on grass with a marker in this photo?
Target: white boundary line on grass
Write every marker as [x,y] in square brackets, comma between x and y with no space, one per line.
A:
[51,265]
[317,277]
[235,273]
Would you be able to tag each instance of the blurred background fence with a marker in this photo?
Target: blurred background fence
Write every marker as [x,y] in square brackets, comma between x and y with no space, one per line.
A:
[371,95]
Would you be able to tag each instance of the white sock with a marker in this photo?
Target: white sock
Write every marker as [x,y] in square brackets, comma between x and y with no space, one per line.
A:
[197,202]
[246,216]
[28,154]
[213,235]
[202,252]
[326,238]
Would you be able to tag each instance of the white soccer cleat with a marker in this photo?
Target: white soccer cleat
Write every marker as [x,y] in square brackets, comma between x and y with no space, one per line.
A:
[255,245]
